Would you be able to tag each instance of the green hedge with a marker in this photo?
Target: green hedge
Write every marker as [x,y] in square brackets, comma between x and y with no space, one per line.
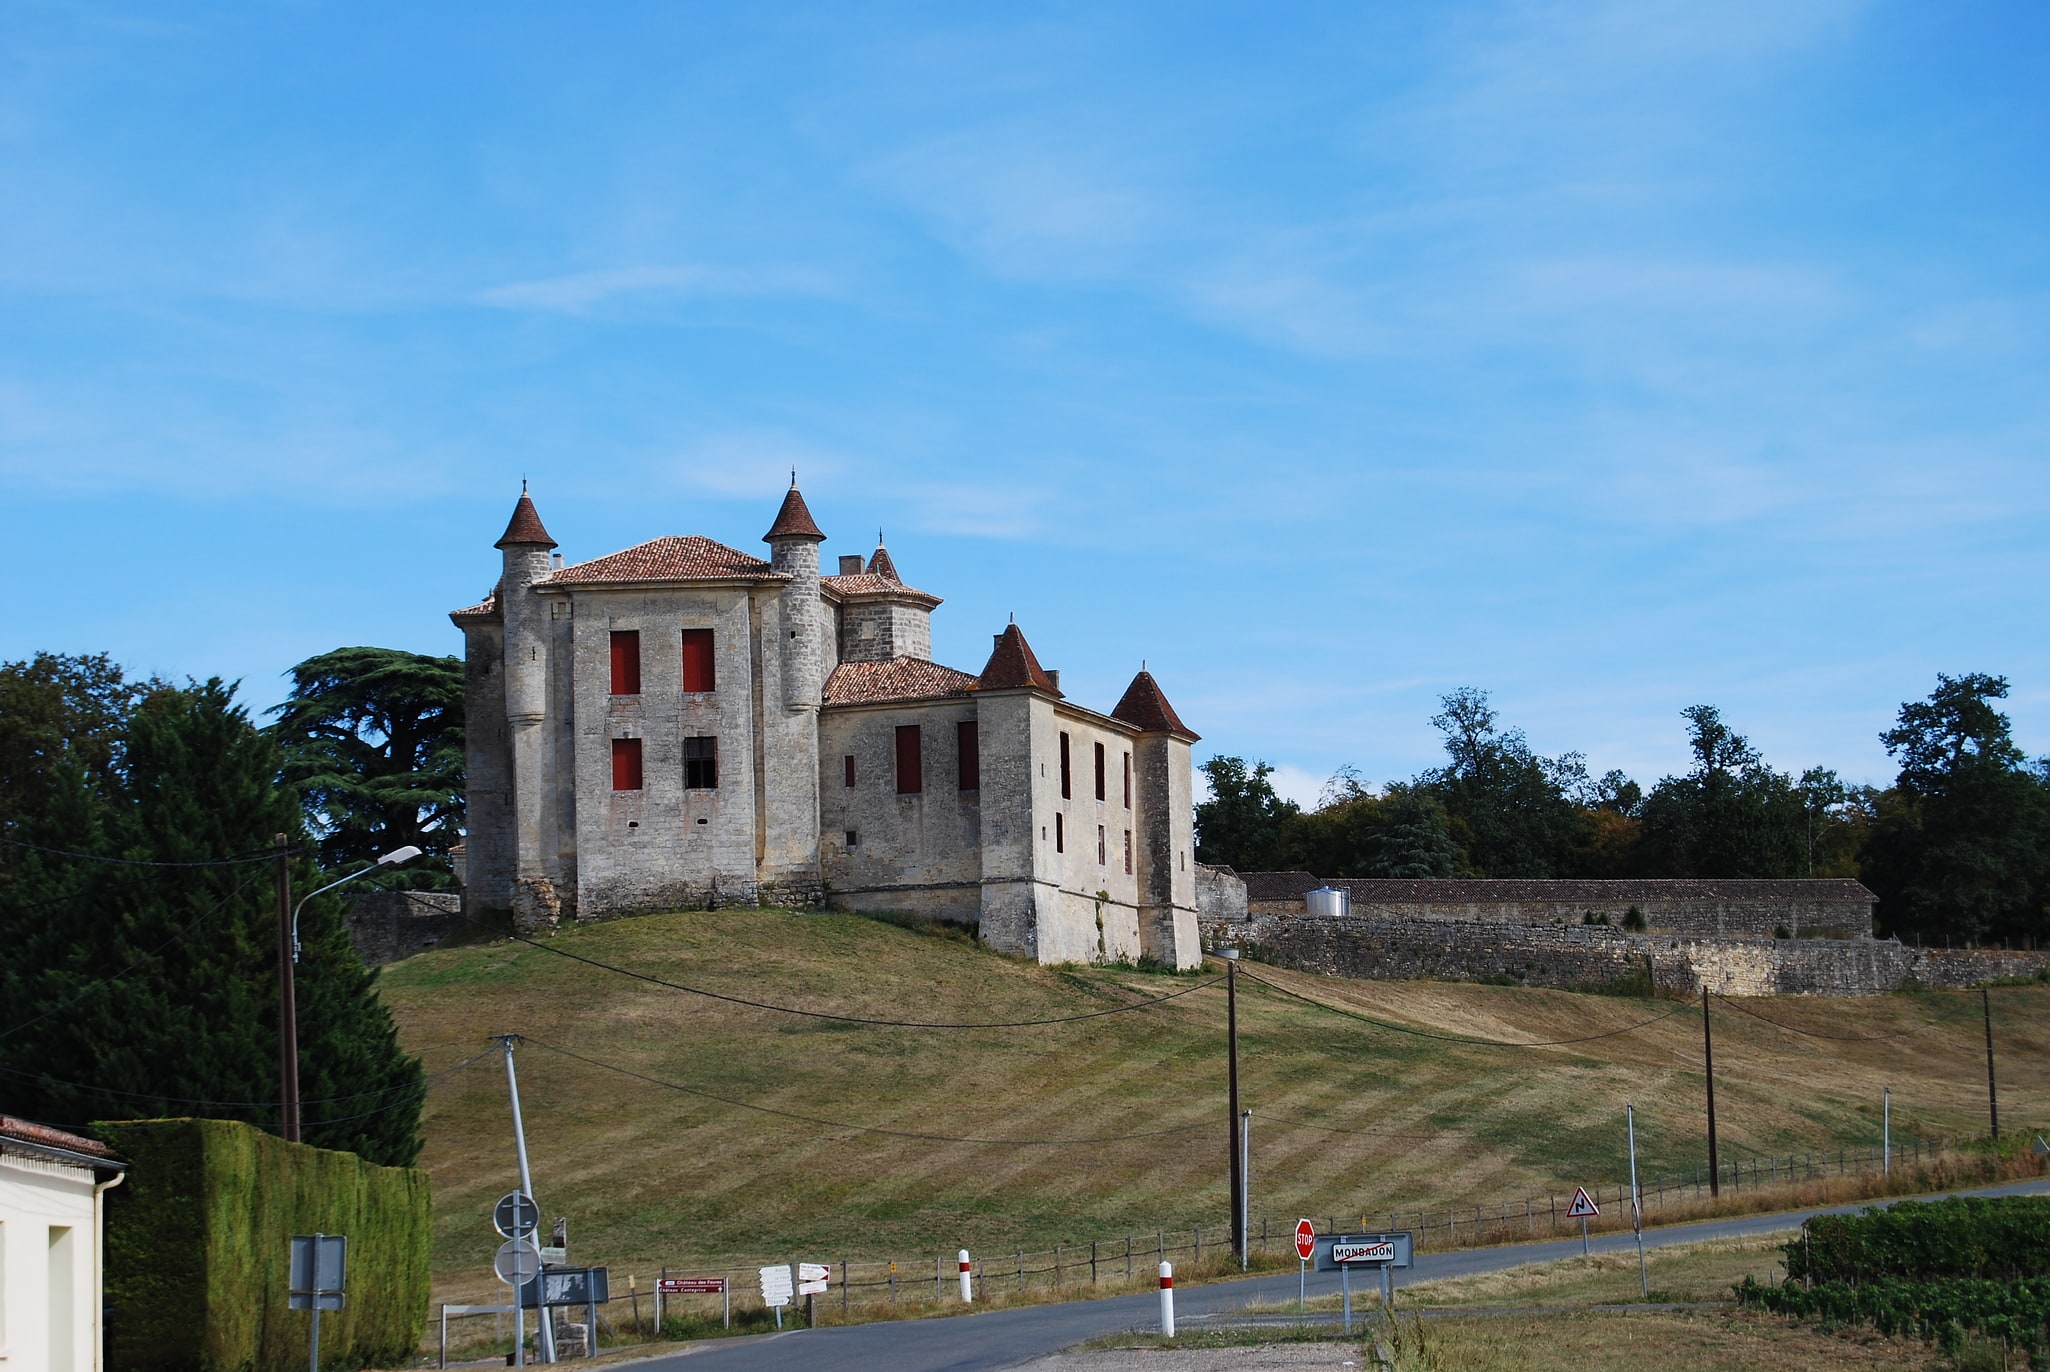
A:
[2015,1312]
[197,1241]
[1994,1238]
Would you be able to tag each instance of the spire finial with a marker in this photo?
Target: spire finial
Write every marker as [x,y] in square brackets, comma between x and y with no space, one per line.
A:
[1014,616]
[879,535]
[793,478]
[523,483]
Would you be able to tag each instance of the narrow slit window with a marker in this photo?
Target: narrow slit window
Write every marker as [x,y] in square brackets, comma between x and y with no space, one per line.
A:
[701,764]
[626,662]
[1060,833]
[1102,854]
[1128,781]
[910,761]
[853,838]
[626,764]
[1067,792]
[698,675]
[968,752]
[848,764]
[1099,771]
[1128,852]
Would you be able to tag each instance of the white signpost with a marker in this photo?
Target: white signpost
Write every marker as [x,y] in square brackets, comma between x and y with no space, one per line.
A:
[777,1289]
[1582,1209]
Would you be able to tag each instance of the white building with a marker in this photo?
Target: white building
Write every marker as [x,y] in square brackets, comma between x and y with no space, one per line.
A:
[50,1229]
[683,725]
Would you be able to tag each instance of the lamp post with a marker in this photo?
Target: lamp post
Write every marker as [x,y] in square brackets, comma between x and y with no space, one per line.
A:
[288,954]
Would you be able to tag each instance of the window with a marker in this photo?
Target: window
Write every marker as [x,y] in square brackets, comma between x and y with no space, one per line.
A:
[1060,833]
[701,764]
[1066,791]
[626,662]
[853,838]
[626,764]
[1102,857]
[1099,771]
[697,660]
[1128,852]
[968,754]
[848,764]
[910,761]
[1128,781]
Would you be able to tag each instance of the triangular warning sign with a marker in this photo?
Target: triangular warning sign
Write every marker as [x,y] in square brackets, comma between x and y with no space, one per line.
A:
[1583,1206]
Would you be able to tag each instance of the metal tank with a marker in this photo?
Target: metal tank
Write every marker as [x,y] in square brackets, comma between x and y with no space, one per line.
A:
[1327,900]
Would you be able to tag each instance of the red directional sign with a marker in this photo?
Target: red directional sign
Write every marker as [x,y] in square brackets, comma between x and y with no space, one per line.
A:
[683,1286]
[1305,1239]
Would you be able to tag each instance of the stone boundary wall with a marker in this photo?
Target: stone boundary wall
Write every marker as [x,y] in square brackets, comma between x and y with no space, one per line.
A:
[1220,895]
[386,926]
[1580,957]
[1684,915]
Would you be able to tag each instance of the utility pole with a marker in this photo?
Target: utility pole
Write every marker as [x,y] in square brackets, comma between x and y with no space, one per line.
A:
[1992,1095]
[1715,1182]
[1231,1042]
[288,1005]
[546,1331]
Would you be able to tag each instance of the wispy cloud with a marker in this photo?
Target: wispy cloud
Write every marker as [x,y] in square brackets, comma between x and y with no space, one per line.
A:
[583,292]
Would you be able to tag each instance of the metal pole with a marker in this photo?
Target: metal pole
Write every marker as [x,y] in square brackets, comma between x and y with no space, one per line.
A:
[1715,1176]
[1231,1039]
[288,1005]
[1992,1095]
[1886,1128]
[1345,1289]
[544,1330]
[313,1358]
[1245,1186]
[1636,1200]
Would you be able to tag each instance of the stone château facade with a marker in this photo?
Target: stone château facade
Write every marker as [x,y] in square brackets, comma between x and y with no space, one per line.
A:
[683,725]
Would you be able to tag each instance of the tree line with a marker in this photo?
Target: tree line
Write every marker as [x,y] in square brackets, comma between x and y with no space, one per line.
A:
[1957,848]
[138,955]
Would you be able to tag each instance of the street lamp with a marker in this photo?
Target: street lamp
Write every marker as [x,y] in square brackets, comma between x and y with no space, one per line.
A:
[288,953]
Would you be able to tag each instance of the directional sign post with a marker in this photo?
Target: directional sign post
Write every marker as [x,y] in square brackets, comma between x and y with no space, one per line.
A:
[667,1285]
[1582,1209]
[776,1289]
[814,1279]
[1305,1249]
[1382,1252]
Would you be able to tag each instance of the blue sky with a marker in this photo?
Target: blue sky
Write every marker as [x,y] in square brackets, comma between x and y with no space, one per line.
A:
[1610,357]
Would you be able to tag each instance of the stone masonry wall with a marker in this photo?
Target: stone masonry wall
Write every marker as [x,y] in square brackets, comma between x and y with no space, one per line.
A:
[1582,956]
[1757,919]
[386,926]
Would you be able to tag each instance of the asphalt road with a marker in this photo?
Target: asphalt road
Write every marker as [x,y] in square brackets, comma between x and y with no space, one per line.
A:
[1005,1338]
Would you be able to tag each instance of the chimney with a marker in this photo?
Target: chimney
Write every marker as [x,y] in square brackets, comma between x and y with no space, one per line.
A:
[1054,677]
[850,564]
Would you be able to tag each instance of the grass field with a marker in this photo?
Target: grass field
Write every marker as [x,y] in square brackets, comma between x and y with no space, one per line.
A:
[1348,1117]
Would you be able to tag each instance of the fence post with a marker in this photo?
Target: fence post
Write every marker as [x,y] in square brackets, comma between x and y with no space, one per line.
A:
[1056,1268]
[846,1277]
[1128,1257]
[1092,1262]
[1199,1245]
[1021,1274]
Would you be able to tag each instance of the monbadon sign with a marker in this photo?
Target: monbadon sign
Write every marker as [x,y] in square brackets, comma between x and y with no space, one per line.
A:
[1337,1252]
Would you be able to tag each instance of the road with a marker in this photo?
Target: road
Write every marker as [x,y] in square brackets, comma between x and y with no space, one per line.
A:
[1005,1338]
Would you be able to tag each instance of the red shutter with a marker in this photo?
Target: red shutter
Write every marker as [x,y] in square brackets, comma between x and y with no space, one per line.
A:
[697,660]
[968,744]
[910,761]
[626,662]
[626,764]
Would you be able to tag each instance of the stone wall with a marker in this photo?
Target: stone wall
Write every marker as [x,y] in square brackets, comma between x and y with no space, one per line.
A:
[1220,895]
[386,926]
[1578,956]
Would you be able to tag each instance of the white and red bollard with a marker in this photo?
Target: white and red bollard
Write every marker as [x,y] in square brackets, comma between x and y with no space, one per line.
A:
[1167,1300]
[967,1277]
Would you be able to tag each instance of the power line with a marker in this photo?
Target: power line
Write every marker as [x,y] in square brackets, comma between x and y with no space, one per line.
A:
[1461,1038]
[859,1019]
[205,915]
[1937,1023]
[114,1093]
[267,855]
[855,1128]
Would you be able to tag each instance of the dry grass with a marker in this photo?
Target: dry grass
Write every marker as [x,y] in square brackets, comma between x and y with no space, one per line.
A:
[650,1176]
[1703,1342]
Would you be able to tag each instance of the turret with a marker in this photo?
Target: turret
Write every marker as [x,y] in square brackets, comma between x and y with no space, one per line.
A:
[1166,806]
[526,545]
[794,550]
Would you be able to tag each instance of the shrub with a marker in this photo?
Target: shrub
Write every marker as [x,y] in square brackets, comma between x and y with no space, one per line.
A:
[1998,1238]
[197,1242]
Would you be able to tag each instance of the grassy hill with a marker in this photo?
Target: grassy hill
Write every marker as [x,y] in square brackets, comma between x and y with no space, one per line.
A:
[651,1175]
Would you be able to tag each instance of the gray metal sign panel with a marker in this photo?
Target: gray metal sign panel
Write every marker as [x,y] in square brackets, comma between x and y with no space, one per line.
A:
[1362,1251]
[568,1286]
[516,1216]
[318,1261]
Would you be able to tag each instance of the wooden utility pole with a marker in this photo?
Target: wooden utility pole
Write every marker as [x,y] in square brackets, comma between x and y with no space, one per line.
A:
[1231,1123]
[288,1004]
[1992,1095]
[1715,1182]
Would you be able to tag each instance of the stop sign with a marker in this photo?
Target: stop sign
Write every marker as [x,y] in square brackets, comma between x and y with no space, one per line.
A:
[1305,1239]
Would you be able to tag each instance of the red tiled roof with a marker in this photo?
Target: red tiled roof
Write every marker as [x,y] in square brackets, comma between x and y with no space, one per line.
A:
[525,529]
[686,558]
[882,565]
[484,609]
[1012,665]
[860,585]
[793,520]
[28,1131]
[1291,886]
[896,678]
[1144,706]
